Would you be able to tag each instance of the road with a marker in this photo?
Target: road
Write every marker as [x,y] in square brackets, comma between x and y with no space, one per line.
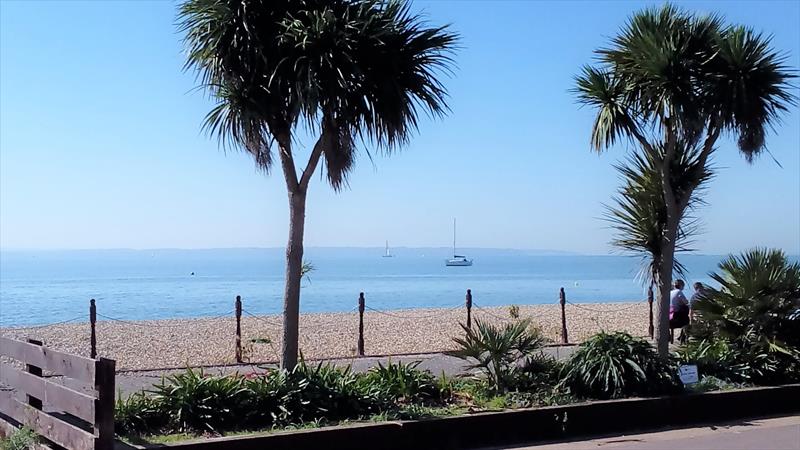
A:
[780,433]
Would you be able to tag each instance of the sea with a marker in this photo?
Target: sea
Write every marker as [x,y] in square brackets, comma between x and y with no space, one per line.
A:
[43,287]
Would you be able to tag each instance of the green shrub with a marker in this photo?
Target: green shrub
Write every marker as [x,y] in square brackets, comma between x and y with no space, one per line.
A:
[755,310]
[618,365]
[273,398]
[714,357]
[335,393]
[21,439]
[403,383]
[195,401]
[711,383]
[138,413]
[496,350]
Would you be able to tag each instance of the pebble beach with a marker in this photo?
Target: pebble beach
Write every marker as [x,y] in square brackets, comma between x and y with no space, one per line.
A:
[159,344]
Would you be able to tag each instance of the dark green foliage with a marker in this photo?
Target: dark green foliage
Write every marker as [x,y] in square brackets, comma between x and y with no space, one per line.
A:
[639,214]
[404,383]
[195,401]
[351,69]
[715,357]
[496,350]
[691,75]
[334,393]
[755,315]
[618,365]
[138,413]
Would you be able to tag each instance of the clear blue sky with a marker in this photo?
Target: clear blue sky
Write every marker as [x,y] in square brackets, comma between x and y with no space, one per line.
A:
[101,143]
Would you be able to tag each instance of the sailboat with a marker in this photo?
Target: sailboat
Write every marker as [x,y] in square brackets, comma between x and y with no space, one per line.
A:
[387,254]
[457,260]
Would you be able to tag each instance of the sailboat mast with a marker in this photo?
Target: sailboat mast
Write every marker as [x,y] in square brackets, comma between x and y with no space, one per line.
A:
[454,237]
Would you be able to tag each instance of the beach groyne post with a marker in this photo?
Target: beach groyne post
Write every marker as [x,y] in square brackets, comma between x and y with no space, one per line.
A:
[650,328]
[562,299]
[468,302]
[238,311]
[361,306]
[92,325]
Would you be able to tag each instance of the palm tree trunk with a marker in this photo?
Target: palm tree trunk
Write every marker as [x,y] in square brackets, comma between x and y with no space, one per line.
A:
[294,273]
[664,283]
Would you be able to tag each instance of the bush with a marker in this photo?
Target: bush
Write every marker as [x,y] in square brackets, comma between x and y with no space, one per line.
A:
[710,383]
[755,311]
[194,401]
[21,439]
[714,357]
[496,350]
[335,393]
[618,365]
[403,383]
[138,413]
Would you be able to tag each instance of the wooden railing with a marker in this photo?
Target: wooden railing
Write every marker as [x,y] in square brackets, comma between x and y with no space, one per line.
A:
[59,412]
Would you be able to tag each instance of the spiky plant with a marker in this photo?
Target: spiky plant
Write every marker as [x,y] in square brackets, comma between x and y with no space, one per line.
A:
[757,310]
[639,213]
[356,73]
[496,350]
[677,79]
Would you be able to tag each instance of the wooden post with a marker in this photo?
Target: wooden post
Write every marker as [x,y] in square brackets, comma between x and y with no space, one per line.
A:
[92,322]
[562,298]
[650,302]
[469,308]
[35,371]
[361,307]
[238,312]
[104,404]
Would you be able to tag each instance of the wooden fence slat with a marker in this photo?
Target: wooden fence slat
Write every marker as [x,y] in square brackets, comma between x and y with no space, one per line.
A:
[71,366]
[56,396]
[104,421]
[62,433]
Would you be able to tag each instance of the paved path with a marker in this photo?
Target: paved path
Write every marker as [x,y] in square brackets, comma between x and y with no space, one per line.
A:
[129,382]
[781,433]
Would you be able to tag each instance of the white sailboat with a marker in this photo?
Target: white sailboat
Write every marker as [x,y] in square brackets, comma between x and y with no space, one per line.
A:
[387,254]
[457,260]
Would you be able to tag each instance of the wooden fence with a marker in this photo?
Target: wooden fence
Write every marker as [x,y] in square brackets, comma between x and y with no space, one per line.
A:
[58,412]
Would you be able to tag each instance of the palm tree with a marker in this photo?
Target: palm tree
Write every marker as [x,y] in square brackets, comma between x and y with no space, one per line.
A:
[354,72]
[678,79]
[639,214]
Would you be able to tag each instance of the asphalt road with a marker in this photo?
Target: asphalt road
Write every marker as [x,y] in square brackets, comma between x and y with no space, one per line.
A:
[780,433]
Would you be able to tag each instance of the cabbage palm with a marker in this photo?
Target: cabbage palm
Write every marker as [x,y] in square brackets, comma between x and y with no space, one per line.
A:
[352,72]
[673,79]
[639,212]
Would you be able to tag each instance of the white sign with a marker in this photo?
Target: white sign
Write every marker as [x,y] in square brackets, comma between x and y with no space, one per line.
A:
[688,374]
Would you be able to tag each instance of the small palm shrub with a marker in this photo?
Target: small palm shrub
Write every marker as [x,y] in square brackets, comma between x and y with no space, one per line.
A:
[495,350]
[194,401]
[403,383]
[618,365]
[755,311]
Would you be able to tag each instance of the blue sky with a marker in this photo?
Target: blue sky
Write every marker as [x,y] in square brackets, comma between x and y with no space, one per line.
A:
[101,145]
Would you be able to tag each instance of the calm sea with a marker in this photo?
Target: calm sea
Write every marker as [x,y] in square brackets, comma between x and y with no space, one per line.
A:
[45,287]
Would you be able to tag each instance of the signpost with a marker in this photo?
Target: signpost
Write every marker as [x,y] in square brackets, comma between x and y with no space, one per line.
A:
[688,374]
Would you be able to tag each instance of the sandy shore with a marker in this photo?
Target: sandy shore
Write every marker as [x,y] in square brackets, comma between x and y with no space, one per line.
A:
[178,343]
